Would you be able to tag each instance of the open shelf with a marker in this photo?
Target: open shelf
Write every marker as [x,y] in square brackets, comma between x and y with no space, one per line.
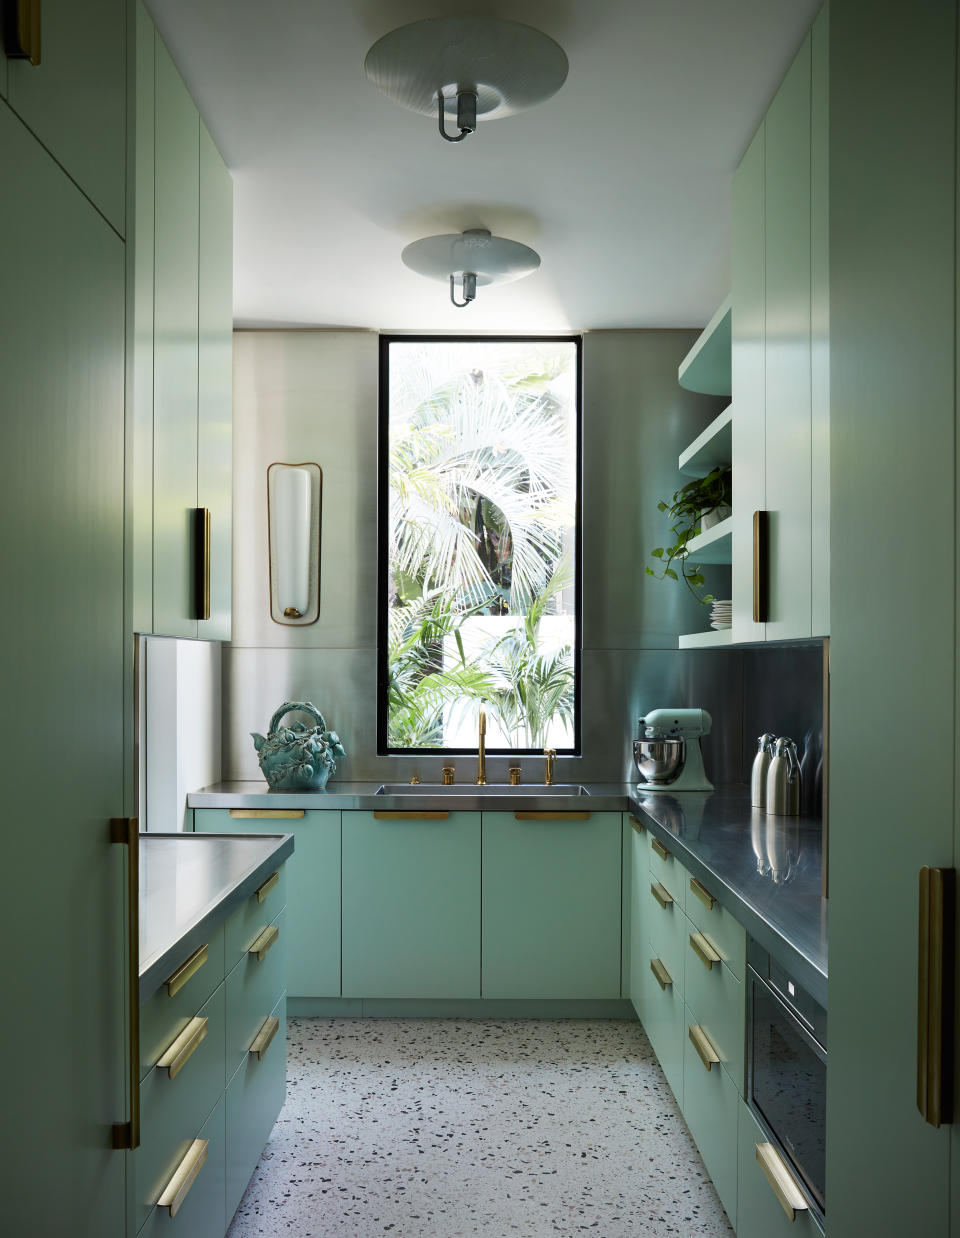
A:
[714,546]
[710,449]
[711,639]
[706,367]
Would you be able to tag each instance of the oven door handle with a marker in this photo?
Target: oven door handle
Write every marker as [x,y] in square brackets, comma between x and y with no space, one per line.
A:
[792,1199]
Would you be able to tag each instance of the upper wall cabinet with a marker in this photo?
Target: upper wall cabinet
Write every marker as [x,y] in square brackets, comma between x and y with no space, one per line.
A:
[74,100]
[182,369]
[780,364]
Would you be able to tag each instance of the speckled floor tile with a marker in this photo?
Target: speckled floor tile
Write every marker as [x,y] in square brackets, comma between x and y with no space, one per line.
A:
[442,1128]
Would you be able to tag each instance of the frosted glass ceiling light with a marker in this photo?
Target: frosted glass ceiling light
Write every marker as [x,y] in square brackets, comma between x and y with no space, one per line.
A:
[466,69]
[474,257]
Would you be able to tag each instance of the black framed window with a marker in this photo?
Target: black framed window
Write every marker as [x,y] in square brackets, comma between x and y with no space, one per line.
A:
[479,543]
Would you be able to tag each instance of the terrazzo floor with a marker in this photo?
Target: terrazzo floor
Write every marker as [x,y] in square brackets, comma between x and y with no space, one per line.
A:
[437,1128]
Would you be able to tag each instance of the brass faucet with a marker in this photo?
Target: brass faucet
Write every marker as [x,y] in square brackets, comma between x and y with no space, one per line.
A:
[551,756]
[514,775]
[482,752]
[448,772]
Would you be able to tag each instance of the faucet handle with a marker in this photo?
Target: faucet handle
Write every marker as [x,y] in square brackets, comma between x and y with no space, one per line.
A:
[514,775]
[448,772]
[551,756]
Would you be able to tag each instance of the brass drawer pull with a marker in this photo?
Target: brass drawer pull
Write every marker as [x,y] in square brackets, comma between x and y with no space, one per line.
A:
[935,995]
[183,973]
[551,816]
[663,976]
[703,949]
[637,826]
[267,886]
[781,1179]
[661,894]
[266,814]
[184,1176]
[176,1056]
[659,848]
[702,893]
[385,815]
[705,1050]
[264,941]
[261,1042]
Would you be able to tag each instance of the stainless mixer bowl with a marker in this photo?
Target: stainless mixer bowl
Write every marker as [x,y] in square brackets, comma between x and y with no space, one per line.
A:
[658,760]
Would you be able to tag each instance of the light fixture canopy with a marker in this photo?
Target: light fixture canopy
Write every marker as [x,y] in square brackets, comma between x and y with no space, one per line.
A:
[475,258]
[466,69]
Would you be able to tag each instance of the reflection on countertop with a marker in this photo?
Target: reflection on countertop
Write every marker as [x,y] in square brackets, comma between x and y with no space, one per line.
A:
[766,870]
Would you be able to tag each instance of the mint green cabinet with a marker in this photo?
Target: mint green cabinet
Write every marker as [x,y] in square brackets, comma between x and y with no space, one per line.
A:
[710,1108]
[663,1019]
[551,906]
[411,905]
[312,877]
[164,1015]
[668,928]
[253,988]
[759,1212]
[74,101]
[716,1000]
[202,1213]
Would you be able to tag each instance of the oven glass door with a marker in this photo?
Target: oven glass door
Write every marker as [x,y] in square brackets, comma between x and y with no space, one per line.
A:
[788,1085]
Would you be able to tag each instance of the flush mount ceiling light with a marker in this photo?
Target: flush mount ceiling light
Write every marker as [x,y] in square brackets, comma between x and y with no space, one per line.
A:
[474,257]
[466,68]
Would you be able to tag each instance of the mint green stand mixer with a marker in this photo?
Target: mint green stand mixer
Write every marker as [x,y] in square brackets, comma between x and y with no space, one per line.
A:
[668,755]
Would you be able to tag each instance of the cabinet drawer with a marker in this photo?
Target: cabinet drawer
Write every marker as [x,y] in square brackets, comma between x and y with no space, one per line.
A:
[663,1014]
[173,1110]
[164,1015]
[669,930]
[759,1212]
[715,998]
[710,1103]
[254,1097]
[253,989]
[726,933]
[255,914]
[667,869]
[201,1213]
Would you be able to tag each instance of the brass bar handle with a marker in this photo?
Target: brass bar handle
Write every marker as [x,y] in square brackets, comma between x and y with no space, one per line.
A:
[267,814]
[126,832]
[261,1042]
[637,826]
[702,893]
[179,978]
[184,1176]
[382,814]
[661,894]
[660,849]
[663,976]
[552,816]
[201,561]
[703,948]
[705,1050]
[761,566]
[935,966]
[179,1052]
[271,883]
[22,30]
[264,941]
[792,1200]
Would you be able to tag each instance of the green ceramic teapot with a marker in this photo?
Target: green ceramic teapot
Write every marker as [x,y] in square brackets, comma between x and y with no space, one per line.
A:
[297,757]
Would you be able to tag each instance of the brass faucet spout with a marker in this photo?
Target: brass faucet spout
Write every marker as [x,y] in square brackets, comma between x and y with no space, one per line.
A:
[482,751]
[551,756]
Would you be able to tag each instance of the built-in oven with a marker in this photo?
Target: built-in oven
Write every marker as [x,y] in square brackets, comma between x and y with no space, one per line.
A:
[787,1070]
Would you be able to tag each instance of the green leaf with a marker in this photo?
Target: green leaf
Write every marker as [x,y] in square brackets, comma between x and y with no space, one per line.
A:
[668,571]
[651,572]
[658,553]
[661,506]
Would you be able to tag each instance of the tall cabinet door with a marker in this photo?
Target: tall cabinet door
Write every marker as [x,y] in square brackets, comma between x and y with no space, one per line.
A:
[215,372]
[175,377]
[61,629]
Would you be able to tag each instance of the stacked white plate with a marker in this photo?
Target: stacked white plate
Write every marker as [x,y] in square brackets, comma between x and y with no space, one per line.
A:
[721,614]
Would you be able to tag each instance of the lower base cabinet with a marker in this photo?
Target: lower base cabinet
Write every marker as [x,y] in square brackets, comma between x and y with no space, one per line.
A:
[710,1103]
[760,1213]
[254,1097]
[202,1212]
[663,1021]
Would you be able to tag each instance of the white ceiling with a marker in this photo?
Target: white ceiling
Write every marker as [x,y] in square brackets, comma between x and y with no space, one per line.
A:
[621,181]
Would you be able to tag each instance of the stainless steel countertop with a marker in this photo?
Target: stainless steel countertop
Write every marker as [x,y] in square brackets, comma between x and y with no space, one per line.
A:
[713,834]
[189,885]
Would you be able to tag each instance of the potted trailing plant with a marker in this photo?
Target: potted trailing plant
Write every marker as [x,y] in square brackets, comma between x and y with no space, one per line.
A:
[704,496]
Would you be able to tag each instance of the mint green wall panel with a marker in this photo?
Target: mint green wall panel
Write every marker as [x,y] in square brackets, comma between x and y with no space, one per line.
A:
[710,1109]
[312,875]
[215,378]
[176,259]
[253,989]
[820,324]
[254,1098]
[74,101]
[787,366]
[893,346]
[163,1018]
[759,1212]
[551,906]
[61,475]
[411,906]
[748,339]
[203,1213]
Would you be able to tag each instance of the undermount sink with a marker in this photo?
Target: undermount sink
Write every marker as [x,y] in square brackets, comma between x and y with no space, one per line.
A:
[489,788]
